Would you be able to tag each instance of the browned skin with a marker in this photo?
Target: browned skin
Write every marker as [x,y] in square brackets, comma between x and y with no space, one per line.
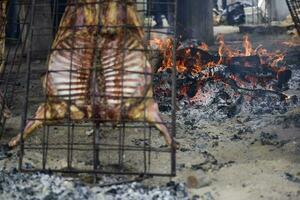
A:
[114,58]
[109,107]
[61,61]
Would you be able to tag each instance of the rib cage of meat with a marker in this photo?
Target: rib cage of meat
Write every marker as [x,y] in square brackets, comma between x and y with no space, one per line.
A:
[69,68]
[126,74]
[118,89]
[71,59]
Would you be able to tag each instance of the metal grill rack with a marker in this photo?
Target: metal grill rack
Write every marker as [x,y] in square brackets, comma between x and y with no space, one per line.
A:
[97,143]
[294,7]
[12,57]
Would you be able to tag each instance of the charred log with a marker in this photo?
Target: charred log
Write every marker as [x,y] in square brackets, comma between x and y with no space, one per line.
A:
[242,73]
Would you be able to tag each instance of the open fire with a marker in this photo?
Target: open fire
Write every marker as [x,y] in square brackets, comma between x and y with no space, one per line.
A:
[231,76]
[250,68]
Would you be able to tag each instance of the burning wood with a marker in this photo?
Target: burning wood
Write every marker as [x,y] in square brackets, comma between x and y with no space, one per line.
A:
[116,90]
[221,85]
[251,69]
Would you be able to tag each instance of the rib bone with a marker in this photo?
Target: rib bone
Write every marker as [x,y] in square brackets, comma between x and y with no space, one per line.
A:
[69,67]
[124,68]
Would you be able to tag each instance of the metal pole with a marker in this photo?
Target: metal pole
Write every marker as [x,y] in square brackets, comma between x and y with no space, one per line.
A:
[174,95]
[195,20]
[31,9]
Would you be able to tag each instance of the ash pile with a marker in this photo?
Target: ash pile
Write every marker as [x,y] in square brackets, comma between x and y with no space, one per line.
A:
[14,185]
[217,86]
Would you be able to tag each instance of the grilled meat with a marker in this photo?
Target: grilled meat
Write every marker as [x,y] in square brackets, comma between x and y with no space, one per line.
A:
[117,89]
[125,71]
[69,67]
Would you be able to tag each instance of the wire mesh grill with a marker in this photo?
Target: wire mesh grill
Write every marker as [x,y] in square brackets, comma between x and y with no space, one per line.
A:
[92,110]
[294,7]
[3,20]
[12,60]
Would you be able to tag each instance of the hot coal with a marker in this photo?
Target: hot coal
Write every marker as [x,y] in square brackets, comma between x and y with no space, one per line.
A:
[217,99]
[252,69]
[241,84]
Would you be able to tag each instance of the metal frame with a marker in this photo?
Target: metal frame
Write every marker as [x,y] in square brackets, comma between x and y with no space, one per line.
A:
[13,62]
[96,147]
[294,7]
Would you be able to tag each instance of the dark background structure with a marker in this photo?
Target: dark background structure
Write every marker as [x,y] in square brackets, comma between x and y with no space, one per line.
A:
[194,19]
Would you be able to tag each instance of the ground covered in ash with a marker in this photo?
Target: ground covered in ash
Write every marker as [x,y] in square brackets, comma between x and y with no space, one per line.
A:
[14,185]
[234,145]
[241,144]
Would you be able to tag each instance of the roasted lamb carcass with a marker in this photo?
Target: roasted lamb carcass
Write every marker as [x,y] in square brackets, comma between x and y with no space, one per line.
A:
[69,67]
[125,72]
[120,89]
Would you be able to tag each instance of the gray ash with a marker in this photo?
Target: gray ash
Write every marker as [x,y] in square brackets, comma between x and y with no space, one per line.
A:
[36,186]
[224,87]
[218,99]
[294,83]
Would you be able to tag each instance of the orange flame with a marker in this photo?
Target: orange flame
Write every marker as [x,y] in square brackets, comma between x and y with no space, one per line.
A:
[225,54]
[247,46]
